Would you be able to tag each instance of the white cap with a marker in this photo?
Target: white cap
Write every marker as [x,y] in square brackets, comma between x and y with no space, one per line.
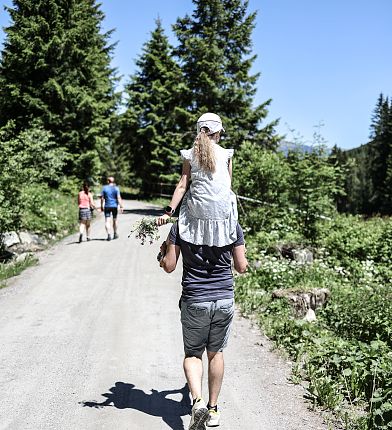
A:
[210,120]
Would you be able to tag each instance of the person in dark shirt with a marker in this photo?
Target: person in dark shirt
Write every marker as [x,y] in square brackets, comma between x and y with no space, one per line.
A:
[207,310]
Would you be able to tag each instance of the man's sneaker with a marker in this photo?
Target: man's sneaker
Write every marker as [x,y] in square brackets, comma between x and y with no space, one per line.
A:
[213,419]
[199,415]
[109,238]
[80,238]
[115,236]
[88,239]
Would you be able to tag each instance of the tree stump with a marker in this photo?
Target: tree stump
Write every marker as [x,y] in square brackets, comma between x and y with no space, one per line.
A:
[304,303]
[294,252]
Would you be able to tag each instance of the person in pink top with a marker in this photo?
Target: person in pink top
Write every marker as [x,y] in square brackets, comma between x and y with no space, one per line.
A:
[86,204]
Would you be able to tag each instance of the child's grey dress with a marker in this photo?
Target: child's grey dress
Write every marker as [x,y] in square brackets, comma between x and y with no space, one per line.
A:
[208,213]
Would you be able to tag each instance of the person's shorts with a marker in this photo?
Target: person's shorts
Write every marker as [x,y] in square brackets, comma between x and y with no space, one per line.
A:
[206,325]
[110,211]
[84,214]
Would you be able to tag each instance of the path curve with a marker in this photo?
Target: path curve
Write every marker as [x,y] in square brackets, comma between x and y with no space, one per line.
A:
[91,339]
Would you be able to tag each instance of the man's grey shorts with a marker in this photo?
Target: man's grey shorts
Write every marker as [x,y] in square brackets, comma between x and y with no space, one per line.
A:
[206,325]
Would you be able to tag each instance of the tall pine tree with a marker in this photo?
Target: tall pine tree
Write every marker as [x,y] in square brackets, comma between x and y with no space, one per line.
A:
[358,182]
[386,206]
[55,67]
[339,159]
[380,155]
[215,53]
[151,125]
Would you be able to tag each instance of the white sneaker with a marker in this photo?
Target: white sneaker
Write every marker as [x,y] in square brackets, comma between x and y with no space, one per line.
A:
[199,415]
[213,419]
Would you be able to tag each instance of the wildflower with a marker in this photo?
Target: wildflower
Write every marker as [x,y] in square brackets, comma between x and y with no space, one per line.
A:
[146,230]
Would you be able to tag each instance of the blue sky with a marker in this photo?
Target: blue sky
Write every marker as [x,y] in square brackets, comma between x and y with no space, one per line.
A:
[320,61]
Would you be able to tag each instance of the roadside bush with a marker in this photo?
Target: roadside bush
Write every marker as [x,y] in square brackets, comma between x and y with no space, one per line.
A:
[29,158]
[346,355]
[262,175]
[316,184]
[275,272]
[298,189]
[362,372]
[382,251]
[11,179]
[70,186]
[360,312]
[280,230]
[348,238]
[48,211]
[380,416]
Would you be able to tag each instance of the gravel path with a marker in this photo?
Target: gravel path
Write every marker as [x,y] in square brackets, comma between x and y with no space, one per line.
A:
[91,339]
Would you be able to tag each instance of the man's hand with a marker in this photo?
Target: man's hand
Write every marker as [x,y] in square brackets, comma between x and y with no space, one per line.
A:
[162,219]
[162,253]
[169,253]
[163,248]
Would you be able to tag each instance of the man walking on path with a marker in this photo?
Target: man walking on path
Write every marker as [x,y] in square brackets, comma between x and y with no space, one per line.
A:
[207,310]
[110,200]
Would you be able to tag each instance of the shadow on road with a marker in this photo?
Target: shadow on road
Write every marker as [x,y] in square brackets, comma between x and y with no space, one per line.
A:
[123,396]
[145,212]
[84,240]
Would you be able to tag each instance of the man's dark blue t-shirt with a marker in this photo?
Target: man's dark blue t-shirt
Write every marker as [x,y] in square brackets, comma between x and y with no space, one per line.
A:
[207,274]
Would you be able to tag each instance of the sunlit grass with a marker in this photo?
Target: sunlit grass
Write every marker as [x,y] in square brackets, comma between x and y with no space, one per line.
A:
[11,269]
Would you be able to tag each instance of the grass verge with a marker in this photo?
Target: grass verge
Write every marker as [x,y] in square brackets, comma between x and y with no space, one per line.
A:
[345,357]
[52,214]
[11,269]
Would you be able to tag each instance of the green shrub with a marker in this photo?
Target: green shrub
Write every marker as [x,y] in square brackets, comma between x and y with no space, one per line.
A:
[380,416]
[382,252]
[360,312]
[70,186]
[348,238]
[263,175]
[30,157]
[346,355]
[316,183]
[48,211]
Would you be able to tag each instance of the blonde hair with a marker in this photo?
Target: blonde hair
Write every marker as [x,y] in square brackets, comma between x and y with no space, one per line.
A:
[203,151]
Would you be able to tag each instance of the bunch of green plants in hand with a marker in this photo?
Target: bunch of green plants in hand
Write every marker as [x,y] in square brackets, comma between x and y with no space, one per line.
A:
[147,230]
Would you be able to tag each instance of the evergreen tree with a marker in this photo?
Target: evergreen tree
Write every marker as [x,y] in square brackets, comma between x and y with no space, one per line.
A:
[358,182]
[55,67]
[380,153]
[386,206]
[317,185]
[215,55]
[151,125]
[339,159]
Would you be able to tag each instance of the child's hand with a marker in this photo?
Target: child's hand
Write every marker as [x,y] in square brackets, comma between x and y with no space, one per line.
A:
[162,219]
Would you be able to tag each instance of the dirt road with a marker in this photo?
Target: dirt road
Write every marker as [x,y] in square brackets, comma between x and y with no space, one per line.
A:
[91,339]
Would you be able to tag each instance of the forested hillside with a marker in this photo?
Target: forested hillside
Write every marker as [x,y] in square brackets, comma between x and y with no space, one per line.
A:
[368,181]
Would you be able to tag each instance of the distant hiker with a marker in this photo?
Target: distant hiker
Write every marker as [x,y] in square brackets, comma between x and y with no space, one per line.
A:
[207,310]
[86,204]
[208,213]
[110,201]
